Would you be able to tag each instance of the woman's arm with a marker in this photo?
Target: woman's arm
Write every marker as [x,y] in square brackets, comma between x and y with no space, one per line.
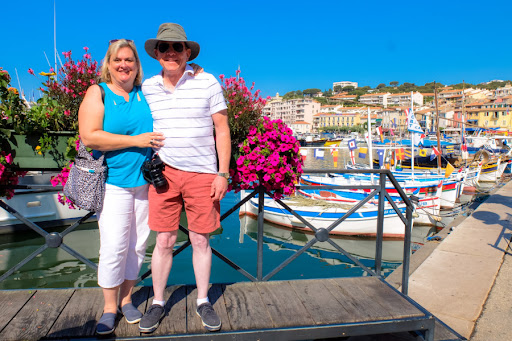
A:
[90,123]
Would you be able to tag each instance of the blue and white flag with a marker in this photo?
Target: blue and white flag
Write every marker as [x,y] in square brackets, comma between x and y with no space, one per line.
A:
[412,122]
[380,153]
[352,144]
[319,153]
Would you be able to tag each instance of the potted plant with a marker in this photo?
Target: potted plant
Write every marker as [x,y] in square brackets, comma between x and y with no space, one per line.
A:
[263,151]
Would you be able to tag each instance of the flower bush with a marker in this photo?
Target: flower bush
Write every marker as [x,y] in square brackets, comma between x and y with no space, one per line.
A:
[244,109]
[263,151]
[62,177]
[268,156]
[8,177]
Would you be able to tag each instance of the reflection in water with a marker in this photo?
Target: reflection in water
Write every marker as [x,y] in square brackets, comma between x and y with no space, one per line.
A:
[278,238]
[55,268]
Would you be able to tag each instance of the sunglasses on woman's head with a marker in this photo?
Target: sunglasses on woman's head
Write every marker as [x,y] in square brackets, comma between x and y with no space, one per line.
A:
[164,47]
[114,40]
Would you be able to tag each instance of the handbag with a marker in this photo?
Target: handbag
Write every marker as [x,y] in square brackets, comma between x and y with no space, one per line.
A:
[85,186]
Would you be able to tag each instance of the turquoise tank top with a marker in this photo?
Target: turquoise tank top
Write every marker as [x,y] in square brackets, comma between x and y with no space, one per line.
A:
[126,118]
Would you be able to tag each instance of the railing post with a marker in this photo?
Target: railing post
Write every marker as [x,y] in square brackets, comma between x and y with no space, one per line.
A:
[261,201]
[380,225]
[407,251]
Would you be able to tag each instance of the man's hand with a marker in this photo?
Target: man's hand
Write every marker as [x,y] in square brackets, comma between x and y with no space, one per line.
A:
[219,188]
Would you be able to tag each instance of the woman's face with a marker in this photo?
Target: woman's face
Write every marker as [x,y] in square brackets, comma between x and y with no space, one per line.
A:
[123,66]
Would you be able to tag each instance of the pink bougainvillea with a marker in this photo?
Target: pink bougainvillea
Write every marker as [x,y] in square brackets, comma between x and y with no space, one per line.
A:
[269,156]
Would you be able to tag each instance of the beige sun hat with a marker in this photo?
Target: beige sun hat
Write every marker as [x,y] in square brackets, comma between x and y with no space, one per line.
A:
[171,32]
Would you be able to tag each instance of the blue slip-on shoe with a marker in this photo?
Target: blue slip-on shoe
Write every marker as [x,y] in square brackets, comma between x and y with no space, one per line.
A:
[151,318]
[209,317]
[131,314]
[106,324]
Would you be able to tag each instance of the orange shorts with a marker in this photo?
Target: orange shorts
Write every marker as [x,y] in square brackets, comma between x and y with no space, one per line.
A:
[189,189]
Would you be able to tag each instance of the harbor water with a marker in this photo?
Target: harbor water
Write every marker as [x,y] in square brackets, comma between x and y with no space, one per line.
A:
[236,239]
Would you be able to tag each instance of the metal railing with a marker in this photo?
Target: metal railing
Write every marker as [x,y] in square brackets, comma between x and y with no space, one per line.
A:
[55,239]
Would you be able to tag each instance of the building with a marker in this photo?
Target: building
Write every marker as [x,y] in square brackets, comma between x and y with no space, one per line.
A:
[300,128]
[404,99]
[344,84]
[292,110]
[378,99]
[504,91]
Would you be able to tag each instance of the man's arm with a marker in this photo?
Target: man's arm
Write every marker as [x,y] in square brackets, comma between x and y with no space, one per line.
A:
[223,144]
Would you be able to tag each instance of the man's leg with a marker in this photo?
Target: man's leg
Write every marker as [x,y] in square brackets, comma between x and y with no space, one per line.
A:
[161,263]
[202,261]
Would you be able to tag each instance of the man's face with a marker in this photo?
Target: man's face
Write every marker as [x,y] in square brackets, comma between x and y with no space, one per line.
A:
[173,56]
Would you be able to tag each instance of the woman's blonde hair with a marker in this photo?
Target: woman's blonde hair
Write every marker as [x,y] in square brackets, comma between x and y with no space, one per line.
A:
[114,47]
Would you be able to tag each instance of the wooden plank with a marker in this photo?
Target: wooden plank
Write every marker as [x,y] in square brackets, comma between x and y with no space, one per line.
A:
[215,292]
[245,308]
[37,316]
[318,301]
[357,302]
[79,316]
[139,299]
[12,302]
[283,304]
[389,299]
[174,321]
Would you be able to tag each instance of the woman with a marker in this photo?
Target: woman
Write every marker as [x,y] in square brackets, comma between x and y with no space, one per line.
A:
[120,125]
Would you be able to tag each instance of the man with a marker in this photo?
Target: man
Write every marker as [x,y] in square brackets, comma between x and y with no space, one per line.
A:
[185,108]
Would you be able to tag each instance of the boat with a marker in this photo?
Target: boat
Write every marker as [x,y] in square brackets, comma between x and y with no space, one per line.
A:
[426,208]
[320,214]
[39,206]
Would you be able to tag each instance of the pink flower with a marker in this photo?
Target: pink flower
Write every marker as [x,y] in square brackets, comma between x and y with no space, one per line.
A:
[8,158]
[31,71]
[67,112]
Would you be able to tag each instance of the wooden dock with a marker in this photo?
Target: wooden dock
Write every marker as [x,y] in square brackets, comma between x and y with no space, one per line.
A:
[284,310]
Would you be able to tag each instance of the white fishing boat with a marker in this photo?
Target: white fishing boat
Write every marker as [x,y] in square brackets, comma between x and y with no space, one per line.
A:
[363,222]
[39,206]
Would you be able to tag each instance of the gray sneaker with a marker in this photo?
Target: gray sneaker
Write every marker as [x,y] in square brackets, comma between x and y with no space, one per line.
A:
[151,319]
[209,317]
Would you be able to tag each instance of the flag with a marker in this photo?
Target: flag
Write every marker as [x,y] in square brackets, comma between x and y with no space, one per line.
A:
[464,146]
[362,152]
[400,154]
[449,170]
[408,154]
[418,138]
[412,122]
[352,158]
[437,152]
[394,122]
[335,157]
[352,144]
[379,130]
[319,154]
[449,149]
[423,152]
[380,153]
[433,155]
[304,154]
[391,132]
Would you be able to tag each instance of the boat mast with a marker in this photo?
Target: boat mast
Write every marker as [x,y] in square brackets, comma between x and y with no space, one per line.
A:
[437,131]
[463,117]
[412,140]
[55,35]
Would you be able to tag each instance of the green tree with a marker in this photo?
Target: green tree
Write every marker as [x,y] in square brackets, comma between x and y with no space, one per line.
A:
[311,91]
[394,83]
[381,85]
[338,88]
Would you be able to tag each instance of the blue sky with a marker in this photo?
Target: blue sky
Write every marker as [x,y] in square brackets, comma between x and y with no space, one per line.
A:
[279,45]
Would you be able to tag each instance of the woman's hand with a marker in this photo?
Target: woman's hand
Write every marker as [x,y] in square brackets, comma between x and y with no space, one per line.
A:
[151,140]
[197,69]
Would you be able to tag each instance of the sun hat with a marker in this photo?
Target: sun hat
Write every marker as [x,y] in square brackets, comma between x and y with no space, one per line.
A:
[171,32]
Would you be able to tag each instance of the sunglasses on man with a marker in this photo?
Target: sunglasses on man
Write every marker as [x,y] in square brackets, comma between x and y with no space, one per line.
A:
[163,47]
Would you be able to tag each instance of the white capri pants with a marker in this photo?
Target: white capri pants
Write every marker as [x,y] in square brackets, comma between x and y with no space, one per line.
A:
[124,231]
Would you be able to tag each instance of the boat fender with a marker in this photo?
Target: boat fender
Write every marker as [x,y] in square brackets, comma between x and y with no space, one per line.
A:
[414,199]
[434,238]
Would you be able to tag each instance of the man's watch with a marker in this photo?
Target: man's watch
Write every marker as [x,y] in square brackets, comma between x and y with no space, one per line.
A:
[224,175]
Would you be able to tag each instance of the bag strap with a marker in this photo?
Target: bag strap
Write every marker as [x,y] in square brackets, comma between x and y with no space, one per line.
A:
[102,94]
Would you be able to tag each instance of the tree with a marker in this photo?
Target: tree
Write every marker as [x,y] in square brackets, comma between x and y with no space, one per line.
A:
[292,94]
[348,88]
[381,85]
[337,88]
[311,91]
[394,83]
